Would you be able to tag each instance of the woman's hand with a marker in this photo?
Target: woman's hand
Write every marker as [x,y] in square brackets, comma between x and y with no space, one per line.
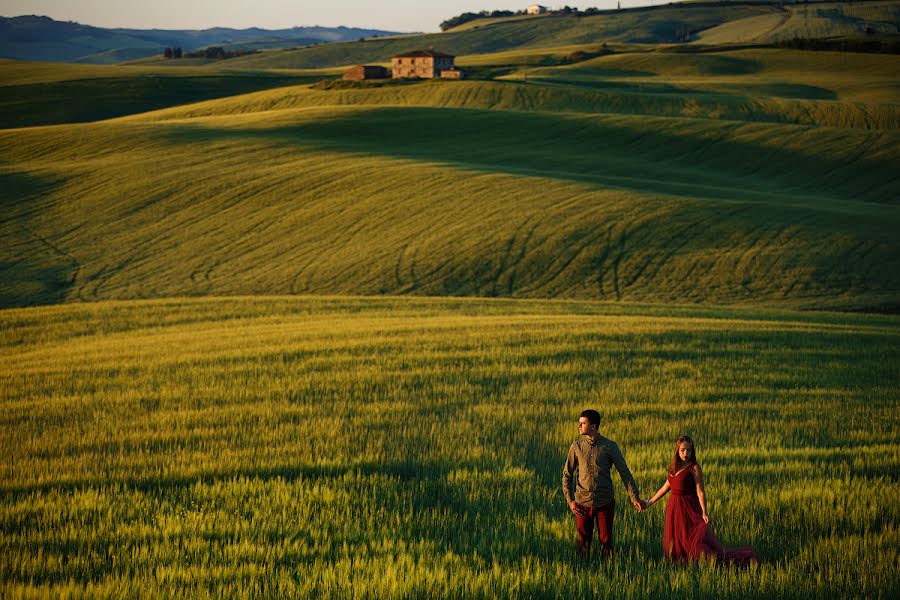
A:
[705,517]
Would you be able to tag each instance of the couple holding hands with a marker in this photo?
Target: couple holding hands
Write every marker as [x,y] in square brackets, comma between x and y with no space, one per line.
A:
[687,535]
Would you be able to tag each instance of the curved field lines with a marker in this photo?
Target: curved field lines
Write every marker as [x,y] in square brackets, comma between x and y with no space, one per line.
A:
[475,188]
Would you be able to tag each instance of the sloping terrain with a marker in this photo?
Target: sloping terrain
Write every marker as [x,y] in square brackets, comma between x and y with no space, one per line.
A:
[658,25]
[744,77]
[704,23]
[31,37]
[830,20]
[752,85]
[52,93]
[508,188]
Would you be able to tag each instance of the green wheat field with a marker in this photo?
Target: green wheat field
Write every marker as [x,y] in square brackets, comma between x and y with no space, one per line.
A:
[413,447]
[267,334]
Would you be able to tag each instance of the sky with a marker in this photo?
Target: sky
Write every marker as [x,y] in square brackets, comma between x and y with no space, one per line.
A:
[391,15]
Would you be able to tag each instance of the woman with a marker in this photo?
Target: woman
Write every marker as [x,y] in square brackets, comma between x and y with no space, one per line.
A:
[687,534]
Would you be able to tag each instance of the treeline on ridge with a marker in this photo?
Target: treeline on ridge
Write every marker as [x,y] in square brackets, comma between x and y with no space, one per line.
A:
[467,17]
[213,52]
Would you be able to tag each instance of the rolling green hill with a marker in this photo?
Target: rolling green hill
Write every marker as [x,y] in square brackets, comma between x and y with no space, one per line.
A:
[704,23]
[568,183]
[814,20]
[237,354]
[48,93]
[663,25]
[723,176]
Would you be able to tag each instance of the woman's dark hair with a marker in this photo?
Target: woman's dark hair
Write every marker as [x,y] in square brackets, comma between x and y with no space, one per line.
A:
[677,464]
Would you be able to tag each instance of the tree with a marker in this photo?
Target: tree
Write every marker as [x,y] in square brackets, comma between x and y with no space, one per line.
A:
[168,53]
[215,52]
[176,53]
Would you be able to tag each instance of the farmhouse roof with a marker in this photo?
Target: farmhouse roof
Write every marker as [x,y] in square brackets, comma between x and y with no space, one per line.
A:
[424,53]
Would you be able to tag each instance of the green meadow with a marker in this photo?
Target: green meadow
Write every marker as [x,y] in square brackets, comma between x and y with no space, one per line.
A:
[36,93]
[401,447]
[746,177]
[265,333]
[756,23]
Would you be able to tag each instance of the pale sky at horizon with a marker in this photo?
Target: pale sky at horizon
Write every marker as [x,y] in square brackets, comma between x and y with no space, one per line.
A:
[393,15]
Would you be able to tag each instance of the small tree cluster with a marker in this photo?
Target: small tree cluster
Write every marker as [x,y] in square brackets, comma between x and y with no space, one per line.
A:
[219,53]
[466,17]
[172,53]
[485,14]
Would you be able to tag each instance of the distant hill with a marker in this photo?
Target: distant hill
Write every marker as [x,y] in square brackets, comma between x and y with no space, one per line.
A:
[709,172]
[753,176]
[678,23]
[42,38]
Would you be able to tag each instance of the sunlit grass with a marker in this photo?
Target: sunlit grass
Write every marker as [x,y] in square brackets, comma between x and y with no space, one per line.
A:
[275,194]
[756,73]
[396,447]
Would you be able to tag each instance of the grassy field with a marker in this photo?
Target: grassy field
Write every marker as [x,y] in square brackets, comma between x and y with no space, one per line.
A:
[353,447]
[807,21]
[36,93]
[662,25]
[761,177]
[669,24]
[744,76]
[257,376]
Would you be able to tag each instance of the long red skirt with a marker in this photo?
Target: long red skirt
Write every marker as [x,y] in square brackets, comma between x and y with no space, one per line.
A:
[688,537]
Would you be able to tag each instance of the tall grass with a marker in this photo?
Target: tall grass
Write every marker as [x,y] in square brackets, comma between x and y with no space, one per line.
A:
[445,201]
[36,93]
[413,447]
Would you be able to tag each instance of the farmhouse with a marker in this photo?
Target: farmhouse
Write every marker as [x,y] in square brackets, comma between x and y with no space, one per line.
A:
[421,64]
[365,72]
[536,9]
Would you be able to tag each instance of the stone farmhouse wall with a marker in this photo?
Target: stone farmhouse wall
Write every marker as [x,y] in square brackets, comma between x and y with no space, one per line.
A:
[420,67]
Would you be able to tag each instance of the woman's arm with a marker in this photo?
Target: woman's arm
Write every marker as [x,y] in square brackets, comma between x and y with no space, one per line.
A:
[662,492]
[701,493]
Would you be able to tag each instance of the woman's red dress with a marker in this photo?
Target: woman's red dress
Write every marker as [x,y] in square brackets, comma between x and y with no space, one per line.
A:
[687,536]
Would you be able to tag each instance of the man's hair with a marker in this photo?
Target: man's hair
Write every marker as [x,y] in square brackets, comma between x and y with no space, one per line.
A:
[592,415]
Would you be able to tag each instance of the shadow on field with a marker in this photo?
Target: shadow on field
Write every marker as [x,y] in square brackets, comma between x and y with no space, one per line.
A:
[705,64]
[797,91]
[20,191]
[724,91]
[438,510]
[34,270]
[687,161]
[88,100]
[619,86]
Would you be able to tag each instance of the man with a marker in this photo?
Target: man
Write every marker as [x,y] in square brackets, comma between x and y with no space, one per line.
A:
[592,457]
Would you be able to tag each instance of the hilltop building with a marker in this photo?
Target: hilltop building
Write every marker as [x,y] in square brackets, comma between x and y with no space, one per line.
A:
[536,9]
[365,72]
[421,64]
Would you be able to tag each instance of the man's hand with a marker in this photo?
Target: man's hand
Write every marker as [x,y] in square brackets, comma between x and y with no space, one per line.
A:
[573,506]
[638,504]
